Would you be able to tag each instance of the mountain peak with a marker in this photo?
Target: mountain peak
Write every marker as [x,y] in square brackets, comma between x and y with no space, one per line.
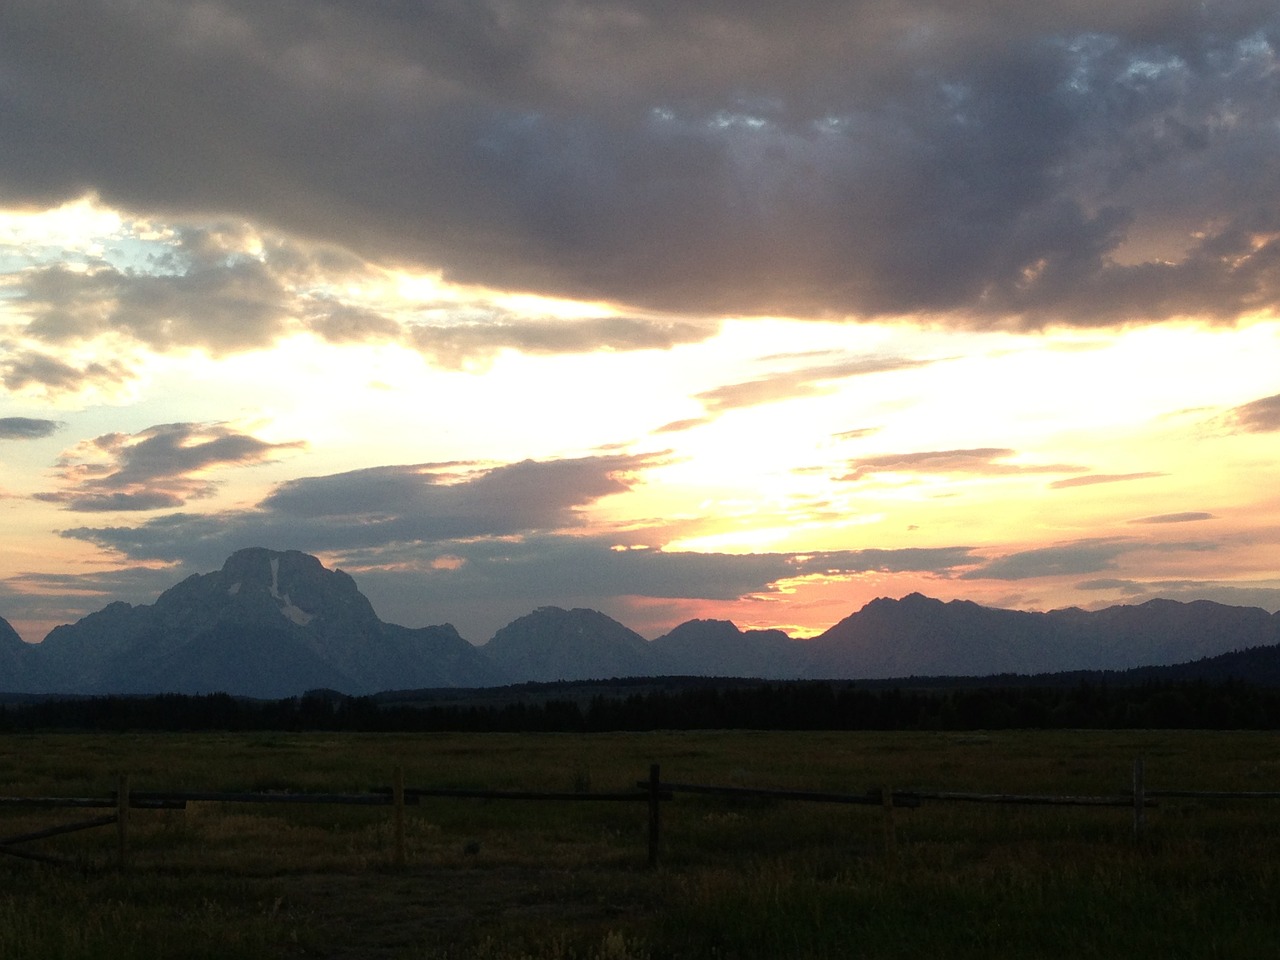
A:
[251,561]
[268,623]
[256,584]
[552,643]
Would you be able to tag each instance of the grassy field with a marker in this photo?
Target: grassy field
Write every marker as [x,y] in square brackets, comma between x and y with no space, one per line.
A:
[739,878]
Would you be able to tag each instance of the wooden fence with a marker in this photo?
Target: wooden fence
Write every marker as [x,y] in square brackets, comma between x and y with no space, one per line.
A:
[652,791]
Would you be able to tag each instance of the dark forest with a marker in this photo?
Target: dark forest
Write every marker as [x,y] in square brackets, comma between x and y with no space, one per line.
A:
[681,705]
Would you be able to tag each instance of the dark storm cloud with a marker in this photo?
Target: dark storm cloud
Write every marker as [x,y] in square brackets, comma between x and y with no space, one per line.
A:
[27,428]
[980,461]
[1260,416]
[161,467]
[1073,161]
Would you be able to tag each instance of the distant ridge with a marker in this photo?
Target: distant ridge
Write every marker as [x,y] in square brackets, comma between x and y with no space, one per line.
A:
[920,636]
[717,648]
[556,644]
[274,624]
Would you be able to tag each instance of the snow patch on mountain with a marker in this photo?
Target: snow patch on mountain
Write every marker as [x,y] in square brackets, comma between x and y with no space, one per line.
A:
[287,606]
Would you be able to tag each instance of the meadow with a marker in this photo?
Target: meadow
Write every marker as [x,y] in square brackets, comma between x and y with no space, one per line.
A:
[739,877]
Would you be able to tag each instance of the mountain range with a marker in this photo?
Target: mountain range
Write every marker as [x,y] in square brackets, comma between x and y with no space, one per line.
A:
[274,624]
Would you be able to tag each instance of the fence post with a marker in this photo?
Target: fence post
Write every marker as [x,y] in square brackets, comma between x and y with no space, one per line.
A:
[397,798]
[655,813]
[1139,799]
[122,820]
[890,828]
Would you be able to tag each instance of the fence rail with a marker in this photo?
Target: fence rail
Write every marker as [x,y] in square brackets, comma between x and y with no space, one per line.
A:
[1031,799]
[652,791]
[872,798]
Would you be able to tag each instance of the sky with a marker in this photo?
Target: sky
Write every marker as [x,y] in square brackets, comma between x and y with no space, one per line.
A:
[723,309]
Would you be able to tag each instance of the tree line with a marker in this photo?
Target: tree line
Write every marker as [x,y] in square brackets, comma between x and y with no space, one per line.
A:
[800,705]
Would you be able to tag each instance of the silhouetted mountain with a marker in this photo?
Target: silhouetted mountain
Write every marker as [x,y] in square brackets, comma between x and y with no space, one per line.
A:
[272,624]
[717,648]
[924,637]
[1165,631]
[13,654]
[556,644]
[919,636]
[266,624]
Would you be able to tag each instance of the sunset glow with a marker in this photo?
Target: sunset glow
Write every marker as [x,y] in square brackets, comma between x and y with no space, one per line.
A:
[983,307]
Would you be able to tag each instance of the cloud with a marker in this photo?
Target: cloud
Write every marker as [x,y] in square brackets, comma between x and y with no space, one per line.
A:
[1070,559]
[455,534]
[491,581]
[1263,594]
[161,467]
[436,502]
[1074,161]
[1260,416]
[26,369]
[38,601]
[856,434]
[1131,587]
[230,288]
[130,584]
[231,307]
[222,288]
[455,344]
[805,382]
[981,461]
[26,428]
[1079,557]
[547,566]
[1091,478]
[678,426]
[1175,518]
[385,506]
[338,322]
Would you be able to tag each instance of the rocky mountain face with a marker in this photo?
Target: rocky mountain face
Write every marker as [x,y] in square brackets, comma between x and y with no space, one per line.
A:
[274,624]
[267,624]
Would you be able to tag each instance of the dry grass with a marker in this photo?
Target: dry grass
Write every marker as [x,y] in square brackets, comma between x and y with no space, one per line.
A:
[740,878]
